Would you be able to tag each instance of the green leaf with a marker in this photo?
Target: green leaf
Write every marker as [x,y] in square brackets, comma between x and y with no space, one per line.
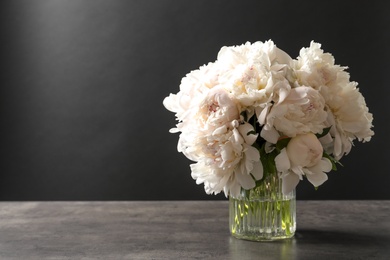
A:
[324,132]
[244,115]
[251,133]
[282,143]
[332,160]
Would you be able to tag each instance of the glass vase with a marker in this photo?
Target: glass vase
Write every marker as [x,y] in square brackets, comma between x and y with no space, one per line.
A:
[263,213]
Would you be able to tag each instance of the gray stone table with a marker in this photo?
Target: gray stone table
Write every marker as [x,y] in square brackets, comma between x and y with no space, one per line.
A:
[186,230]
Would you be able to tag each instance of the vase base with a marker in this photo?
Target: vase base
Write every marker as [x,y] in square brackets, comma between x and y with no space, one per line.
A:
[261,238]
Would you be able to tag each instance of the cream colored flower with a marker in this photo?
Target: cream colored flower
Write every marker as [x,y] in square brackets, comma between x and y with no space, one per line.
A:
[302,156]
[350,119]
[216,110]
[193,89]
[348,114]
[227,161]
[249,71]
[212,114]
[294,111]
[315,68]
[304,150]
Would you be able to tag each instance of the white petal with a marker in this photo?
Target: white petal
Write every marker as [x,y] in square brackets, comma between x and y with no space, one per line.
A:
[246,181]
[284,90]
[220,130]
[322,166]
[317,178]
[218,185]
[270,135]
[197,172]
[282,57]
[235,190]
[171,102]
[298,94]
[327,139]
[337,146]
[244,130]
[298,170]
[289,182]
[257,171]
[262,113]
[251,153]
[282,161]
[174,130]
[236,137]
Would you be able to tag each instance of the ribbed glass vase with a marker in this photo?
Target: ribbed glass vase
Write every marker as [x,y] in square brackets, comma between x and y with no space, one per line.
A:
[263,213]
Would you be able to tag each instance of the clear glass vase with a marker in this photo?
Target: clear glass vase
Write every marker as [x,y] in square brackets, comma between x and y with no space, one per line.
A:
[263,213]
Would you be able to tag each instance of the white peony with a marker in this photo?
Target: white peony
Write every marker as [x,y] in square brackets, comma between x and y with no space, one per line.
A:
[193,88]
[348,113]
[249,71]
[227,161]
[315,68]
[212,114]
[216,109]
[350,119]
[294,111]
[302,156]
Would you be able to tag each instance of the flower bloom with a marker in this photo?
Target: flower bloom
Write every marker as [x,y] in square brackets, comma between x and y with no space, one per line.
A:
[213,136]
[226,160]
[348,113]
[216,110]
[249,71]
[295,111]
[241,105]
[302,156]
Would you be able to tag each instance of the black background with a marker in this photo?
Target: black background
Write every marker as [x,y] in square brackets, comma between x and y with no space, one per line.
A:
[82,84]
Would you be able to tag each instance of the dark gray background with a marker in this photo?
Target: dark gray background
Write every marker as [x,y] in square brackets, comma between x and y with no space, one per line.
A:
[82,84]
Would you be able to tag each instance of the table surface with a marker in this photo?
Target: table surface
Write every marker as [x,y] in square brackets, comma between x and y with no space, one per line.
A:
[186,230]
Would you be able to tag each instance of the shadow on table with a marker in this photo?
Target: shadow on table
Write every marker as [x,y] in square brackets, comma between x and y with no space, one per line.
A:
[314,244]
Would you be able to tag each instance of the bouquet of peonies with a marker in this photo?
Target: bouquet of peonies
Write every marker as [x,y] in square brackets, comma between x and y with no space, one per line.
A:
[257,111]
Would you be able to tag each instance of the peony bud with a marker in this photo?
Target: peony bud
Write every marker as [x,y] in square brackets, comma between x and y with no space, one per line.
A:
[304,150]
